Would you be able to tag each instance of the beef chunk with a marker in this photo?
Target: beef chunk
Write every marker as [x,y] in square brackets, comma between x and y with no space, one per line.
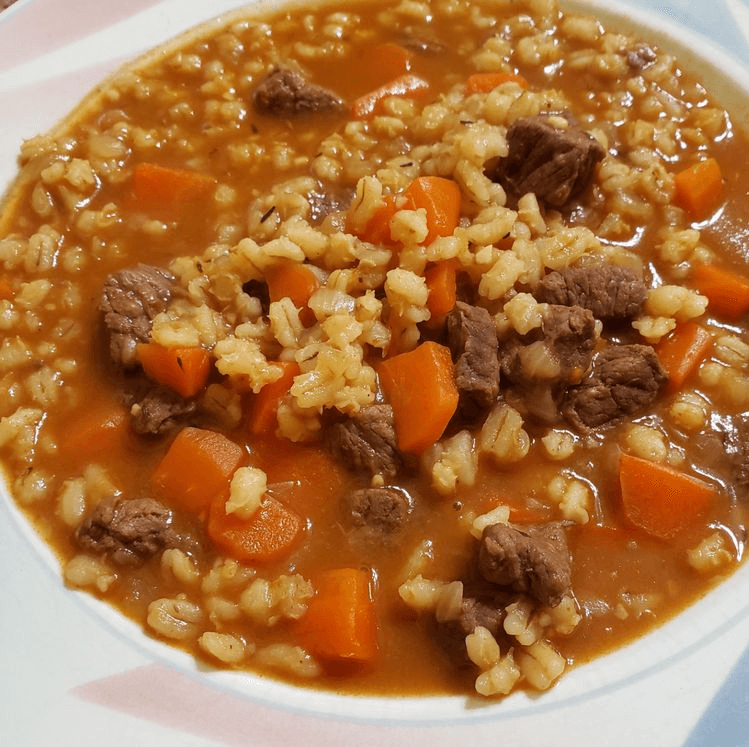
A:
[486,611]
[556,165]
[611,292]
[624,379]
[533,560]
[560,351]
[127,531]
[285,93]
[367,441]
[159,411]
[377,512]
[130,300]
[472,338]
[476,613]
[570,334]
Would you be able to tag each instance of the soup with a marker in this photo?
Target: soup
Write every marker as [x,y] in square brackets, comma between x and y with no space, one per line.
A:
[390,348]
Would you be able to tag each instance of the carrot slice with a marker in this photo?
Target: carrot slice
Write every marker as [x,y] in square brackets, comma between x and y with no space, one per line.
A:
[441,279]
[727,292]
[420,386]
[296,281]
[377,230]
[404,86]
[185,370]
[699,187]
[383,62]
[196,468]
[681,352]
[6,290]
[485,82]
[659,499]
[340,623]
[167,187]
[270,533]
[262,419]
[100,430]
[440,198]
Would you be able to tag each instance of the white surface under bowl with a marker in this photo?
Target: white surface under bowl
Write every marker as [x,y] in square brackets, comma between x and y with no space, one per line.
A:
[74,672]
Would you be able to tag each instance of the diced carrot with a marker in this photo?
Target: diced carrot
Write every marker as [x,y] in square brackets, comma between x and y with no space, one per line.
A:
[485,82]
[440,198]
[196,468]
[296,281]
[262,419]
[420,386]
[682,351]
[699,187]
[167,187]
[377,230]
[185,370]
[520,511]
[6,290]
[659,499]
[383,62]
[404,86]
[441,279]
[270,533]
[340,624]
[727,292]
[100,430]
[305,476]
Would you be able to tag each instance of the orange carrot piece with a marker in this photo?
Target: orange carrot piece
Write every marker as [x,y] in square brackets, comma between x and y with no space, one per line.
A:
[185,370]
[162,186]
[659,499]
[6,290]
[270,533]
[340,624]
[101,430]
[727,292]
[699,187]
[262,419]
[384,62]
[377,230]
[485,82]
[440,198]
[196,468]
[405,86]
[681,352]
[420,386]
[441,279]
[296,281]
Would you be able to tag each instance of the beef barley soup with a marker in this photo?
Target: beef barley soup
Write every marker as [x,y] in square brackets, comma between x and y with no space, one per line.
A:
[385,347]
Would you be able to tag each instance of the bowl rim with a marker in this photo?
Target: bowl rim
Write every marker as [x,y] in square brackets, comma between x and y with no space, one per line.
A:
[727,78]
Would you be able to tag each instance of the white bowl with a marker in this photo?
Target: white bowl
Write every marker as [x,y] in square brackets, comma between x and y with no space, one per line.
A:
[72,670]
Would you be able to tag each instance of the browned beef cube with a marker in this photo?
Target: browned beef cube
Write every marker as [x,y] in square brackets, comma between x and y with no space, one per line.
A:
[285,93]
[367,441]
[130,300]
[472,338]
[555,164]
[610,292]
[533,560]
[160,411]
[624,380]
[377,511]
[127,531]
